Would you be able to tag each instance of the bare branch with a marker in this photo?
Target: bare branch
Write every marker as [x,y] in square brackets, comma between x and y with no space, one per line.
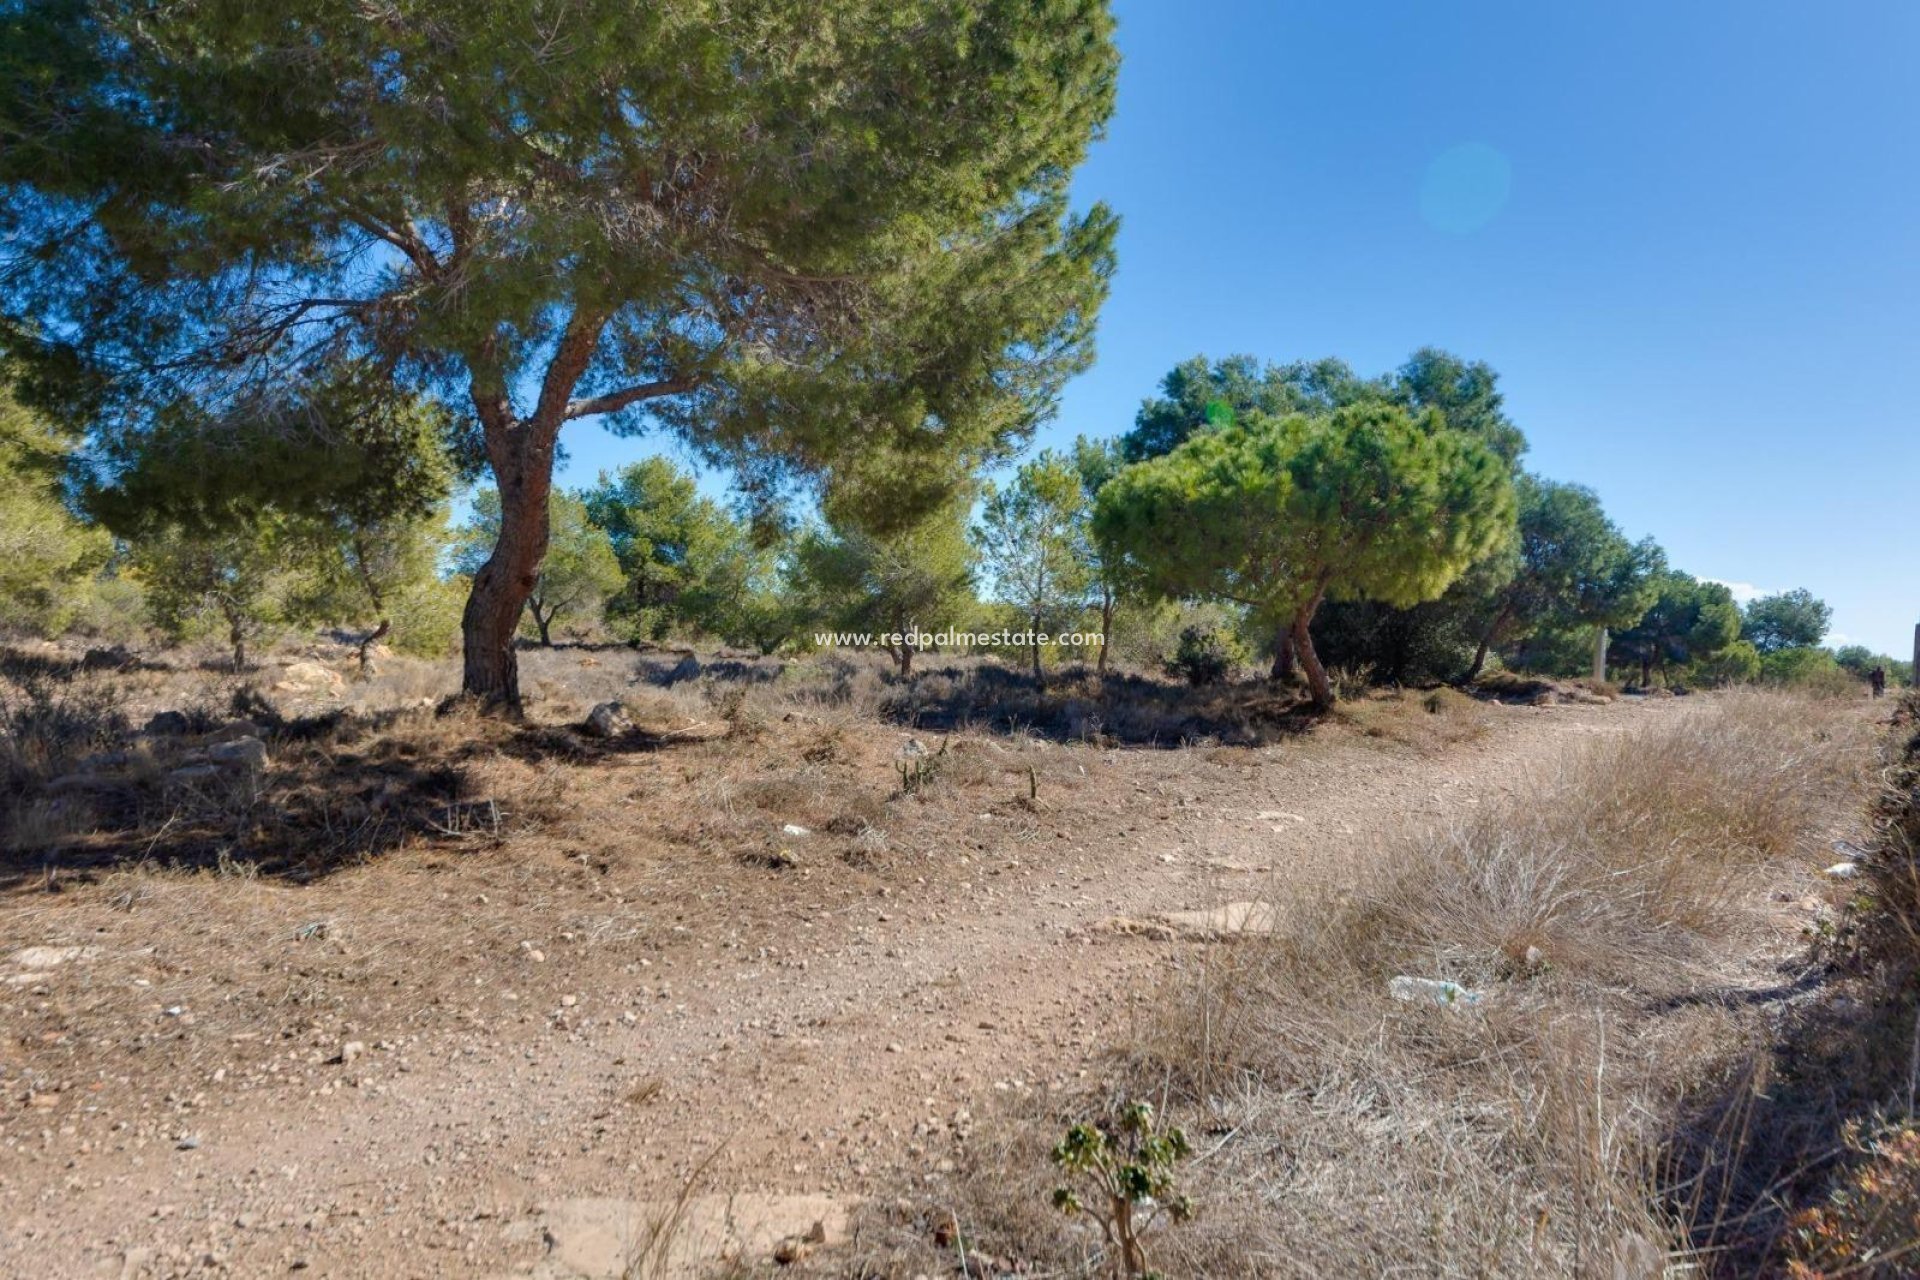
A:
[614,401]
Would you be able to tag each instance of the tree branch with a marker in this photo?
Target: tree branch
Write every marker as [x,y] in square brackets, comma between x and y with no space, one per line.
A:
[614,401]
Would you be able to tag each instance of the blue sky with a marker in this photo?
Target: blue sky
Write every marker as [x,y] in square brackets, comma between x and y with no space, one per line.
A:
[1687,235]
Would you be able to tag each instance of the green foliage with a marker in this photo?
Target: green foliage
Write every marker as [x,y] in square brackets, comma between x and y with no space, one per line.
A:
[1688,621]
[887,584]
[1146,636]
[1199,395]
[343,479]
[1738,663]
[579,574]
[821,240]
[1126,1170]
[1790,620]
[1859,660]
[1033,544]
[1570,566]
[1098,461]
[1278,514]
[688,564]
[242,582]
[1809,669]
[48,557]
[1203,657]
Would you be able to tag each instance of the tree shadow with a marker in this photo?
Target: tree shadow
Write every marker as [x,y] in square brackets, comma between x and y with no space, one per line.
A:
[1071,704]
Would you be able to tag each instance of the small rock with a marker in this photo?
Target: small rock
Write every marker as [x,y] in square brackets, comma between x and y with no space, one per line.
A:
[310,678]
[1843,870]
[567,1002]
[245,752]
[51,957]
[608,720]
[350,1051]
[166,724]
[795,829]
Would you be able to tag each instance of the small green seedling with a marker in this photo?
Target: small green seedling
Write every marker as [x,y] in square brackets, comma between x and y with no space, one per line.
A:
[1129,1169]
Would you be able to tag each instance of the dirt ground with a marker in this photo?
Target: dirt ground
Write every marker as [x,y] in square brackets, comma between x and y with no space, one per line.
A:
[476,1054]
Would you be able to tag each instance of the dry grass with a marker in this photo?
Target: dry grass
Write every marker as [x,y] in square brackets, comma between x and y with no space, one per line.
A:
[1618,914]
[1804,1161]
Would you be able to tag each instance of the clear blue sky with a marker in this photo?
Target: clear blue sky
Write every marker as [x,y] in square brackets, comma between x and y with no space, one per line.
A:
[1687,235]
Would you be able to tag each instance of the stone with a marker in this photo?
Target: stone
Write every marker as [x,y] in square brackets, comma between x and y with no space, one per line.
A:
[105,659]
[247,752]
[351,1051]
[51,957]
[167,724]
[1224,921]
[309,678]
[1843,871]
[608,720]
[194,773]
[235,729]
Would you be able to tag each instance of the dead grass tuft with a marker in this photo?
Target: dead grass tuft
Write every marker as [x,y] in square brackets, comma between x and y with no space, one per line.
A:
[1603,912]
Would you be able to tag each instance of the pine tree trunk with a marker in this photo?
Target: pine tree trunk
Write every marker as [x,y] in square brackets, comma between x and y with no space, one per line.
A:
[1106,628]
[523,468]
[1283,664]
[1033,645]
[1479,659]
[1317,682]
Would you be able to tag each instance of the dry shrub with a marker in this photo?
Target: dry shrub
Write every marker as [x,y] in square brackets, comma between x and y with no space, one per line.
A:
[1429,721]
[1342,1133]
[1804,1162]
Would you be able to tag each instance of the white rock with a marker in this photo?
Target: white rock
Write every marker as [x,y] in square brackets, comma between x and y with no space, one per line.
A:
[51,957]
[608,720]
[795,829]
[1843,870]
[310,677]
[244,752]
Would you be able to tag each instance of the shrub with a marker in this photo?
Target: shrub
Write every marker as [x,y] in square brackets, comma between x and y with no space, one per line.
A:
[1807,670]
[1202,657]
[1128,1168]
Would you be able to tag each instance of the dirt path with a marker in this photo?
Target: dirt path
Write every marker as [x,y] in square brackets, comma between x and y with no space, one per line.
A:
[828,1042]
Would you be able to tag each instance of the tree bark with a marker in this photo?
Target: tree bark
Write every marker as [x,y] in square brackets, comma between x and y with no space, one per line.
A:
[1283,663]
[237,637]
[1479,660]
[1106,628]
[1317,682]
[366,648]
[522,461]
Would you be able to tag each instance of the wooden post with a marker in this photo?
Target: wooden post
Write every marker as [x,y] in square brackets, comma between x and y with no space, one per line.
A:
[1913,681]
[1600,653]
